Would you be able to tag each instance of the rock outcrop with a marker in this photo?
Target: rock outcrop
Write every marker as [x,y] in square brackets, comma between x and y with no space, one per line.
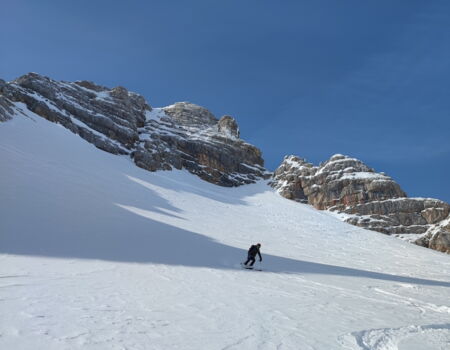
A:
[182,135]
[228,126]
[364,198]
[340,182]
[185,135]
[438,237]
[108,121]
[6,106]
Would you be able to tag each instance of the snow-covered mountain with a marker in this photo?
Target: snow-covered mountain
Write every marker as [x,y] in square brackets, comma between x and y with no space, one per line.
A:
[96,253]
[188,136]
[182,135]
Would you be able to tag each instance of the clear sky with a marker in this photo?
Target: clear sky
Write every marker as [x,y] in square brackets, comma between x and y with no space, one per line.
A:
[370,79]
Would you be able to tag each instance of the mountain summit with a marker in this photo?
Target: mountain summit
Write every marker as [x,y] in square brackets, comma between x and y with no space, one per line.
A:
[182,135]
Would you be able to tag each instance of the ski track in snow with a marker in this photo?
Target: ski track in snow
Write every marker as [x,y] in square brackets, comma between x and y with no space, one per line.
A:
[109,256]
[414,337]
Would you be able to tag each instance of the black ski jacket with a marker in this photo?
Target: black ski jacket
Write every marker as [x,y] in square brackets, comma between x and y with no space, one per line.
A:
[253,251]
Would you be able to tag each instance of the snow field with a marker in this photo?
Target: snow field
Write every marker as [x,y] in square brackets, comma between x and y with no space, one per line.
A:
[96,253]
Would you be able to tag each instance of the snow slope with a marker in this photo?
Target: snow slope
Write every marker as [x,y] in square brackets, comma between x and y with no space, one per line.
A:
[96,253]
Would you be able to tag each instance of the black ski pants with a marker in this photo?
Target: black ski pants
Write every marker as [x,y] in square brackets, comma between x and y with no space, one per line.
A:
[250,259]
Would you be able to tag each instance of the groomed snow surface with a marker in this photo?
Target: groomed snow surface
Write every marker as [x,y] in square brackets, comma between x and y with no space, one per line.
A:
[96,253]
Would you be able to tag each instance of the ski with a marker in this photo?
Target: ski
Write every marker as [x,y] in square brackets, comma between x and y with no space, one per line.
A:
[250,267]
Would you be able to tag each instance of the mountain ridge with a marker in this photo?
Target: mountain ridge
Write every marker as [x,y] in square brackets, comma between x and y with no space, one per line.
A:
[185,135]
[122,122]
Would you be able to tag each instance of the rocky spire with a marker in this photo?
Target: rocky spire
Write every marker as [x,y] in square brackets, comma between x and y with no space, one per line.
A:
[228,126]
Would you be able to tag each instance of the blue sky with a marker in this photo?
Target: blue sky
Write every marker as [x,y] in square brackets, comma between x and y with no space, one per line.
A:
[370,79]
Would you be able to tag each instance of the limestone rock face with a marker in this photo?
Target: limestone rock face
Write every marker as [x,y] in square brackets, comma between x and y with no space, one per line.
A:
[91,111]
[183,135]
[189,114]
[364,198]
[188,136]
[399,216]
[6,106]
[228,126]
[437,237]
[6,109]
[440,241]
[339,182]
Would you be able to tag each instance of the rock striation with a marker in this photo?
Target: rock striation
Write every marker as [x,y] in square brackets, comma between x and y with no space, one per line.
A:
[185,135]
[364,198]
[6,106]
[438,237]
[99,115]
[118,121]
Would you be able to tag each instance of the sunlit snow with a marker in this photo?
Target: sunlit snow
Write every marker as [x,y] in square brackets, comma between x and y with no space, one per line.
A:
[96,253]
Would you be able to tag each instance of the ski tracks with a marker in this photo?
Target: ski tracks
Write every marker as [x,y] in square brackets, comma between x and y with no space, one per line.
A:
[422,306]
[432,336]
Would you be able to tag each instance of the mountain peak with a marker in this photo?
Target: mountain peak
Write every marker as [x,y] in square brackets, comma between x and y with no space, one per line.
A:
[182,135]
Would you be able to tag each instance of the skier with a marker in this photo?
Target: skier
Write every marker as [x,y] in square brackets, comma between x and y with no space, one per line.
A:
[254,249]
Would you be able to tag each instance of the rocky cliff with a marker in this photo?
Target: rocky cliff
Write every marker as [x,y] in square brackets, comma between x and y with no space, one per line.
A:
[364,198]
[118,121]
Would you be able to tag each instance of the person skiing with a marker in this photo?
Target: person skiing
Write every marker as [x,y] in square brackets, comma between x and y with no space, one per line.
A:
[254,249]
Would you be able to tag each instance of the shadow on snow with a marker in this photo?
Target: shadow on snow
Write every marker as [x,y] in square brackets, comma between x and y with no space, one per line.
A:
[120,232]
[165,244]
